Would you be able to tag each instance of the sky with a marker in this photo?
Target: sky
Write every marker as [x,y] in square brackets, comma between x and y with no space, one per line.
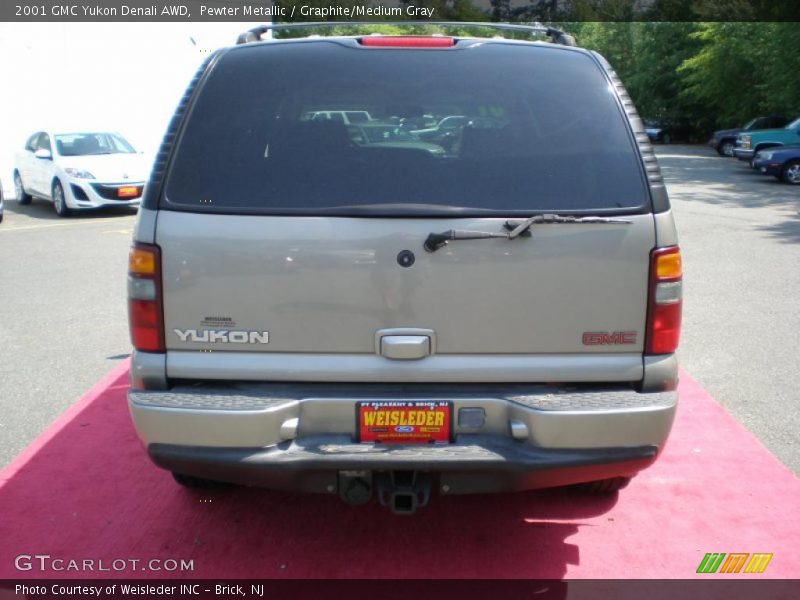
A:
[125,77]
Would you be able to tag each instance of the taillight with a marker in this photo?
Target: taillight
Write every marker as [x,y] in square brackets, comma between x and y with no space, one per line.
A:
[399,41]
[145,309]
[665,301]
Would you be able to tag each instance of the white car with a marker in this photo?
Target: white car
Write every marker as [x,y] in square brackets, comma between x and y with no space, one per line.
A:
[79,171]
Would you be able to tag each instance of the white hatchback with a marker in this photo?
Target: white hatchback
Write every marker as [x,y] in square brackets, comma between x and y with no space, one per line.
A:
[77,171]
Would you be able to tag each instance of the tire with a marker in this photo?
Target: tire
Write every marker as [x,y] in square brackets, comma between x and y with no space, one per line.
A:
[725,148]
[665,139]
[59,199]
[197,482]
[22,196]
[791,172]
[604,486]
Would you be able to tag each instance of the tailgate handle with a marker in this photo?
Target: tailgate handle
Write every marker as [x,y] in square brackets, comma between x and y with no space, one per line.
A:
[405,347]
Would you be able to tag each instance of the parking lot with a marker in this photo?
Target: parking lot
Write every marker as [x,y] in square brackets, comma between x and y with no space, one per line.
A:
[63,322]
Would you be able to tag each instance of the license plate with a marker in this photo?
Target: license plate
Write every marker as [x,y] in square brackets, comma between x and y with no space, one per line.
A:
[130,191]
[404,421]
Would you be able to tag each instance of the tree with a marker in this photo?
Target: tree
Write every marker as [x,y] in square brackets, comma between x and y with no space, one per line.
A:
[724,76]
[654,82]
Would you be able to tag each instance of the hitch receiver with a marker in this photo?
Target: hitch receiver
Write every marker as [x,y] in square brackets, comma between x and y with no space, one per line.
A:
[403,491]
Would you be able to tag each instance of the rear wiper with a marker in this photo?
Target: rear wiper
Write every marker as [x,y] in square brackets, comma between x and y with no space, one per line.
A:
[514,229]
[435,241]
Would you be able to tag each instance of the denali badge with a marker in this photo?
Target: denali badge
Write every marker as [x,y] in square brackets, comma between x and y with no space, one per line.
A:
[224,336]
[604,338]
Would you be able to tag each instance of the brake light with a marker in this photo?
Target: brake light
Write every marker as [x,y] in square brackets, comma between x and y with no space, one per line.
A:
[399,41]
[665,301]
[145,308]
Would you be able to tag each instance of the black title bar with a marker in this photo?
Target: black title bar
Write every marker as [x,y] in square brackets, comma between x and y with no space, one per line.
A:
[347,10]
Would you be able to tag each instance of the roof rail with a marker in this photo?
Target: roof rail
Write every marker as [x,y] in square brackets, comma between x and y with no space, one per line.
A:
[556,35]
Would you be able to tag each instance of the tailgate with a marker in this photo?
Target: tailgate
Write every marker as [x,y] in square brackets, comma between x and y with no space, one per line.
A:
[325,286]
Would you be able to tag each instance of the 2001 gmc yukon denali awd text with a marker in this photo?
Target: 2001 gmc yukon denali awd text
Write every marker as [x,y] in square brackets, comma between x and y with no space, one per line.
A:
[315,311]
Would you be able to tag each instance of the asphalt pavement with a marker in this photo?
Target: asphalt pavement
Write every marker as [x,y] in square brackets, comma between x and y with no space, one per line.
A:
[62,312]
[740,239]
[63,315]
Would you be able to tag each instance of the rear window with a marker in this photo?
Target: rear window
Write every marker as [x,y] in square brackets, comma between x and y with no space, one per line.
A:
[325,127]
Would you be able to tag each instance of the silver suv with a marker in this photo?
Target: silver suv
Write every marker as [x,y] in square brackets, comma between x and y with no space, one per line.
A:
[312,312]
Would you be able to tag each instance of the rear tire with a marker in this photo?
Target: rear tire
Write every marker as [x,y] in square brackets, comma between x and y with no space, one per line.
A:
[604,486]
[197,482]
[791,172]
[19,190]
[59,199]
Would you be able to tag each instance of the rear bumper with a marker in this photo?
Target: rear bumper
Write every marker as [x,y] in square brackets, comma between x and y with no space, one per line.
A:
[473,464]
[293,436]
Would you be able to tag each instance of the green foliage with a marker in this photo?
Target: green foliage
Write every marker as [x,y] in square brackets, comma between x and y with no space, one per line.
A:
[716,75]
[660,49]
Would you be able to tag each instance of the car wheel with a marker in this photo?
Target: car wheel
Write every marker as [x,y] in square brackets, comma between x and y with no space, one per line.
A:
[19,191]
[791,172]
[59,201]
[197,482]
[604,486]
[725,148]
[665,138]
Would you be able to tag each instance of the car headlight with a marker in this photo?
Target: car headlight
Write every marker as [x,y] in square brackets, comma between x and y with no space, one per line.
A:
[78,173]
[765,155]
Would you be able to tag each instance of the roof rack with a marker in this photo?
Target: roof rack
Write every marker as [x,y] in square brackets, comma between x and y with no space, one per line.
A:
[556,35]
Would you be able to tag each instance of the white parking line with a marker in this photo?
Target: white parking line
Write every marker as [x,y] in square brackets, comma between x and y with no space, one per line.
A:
[74,224]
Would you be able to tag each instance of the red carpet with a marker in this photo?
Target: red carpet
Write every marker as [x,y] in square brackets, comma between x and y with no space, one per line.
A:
[85,490]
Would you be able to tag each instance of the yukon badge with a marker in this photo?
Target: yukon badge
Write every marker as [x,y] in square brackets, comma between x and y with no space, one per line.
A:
[223,336]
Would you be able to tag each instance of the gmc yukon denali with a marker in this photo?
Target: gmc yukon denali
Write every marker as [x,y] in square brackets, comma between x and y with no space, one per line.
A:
[311,312]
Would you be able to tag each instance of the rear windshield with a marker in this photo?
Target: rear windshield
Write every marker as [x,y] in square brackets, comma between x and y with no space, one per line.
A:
[324,127]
